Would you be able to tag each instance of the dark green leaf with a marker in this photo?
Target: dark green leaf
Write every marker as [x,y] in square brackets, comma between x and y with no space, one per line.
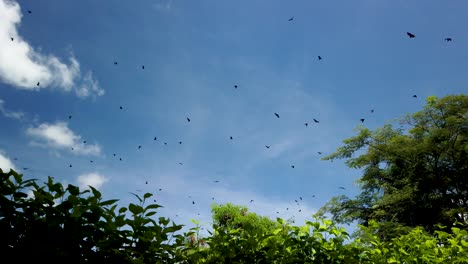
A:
[73,190]
[150,214]
[95,192]
[135,209]
[109,202]
[138,197]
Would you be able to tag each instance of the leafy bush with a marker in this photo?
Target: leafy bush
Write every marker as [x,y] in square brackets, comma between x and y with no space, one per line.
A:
[72,226]
[66,225]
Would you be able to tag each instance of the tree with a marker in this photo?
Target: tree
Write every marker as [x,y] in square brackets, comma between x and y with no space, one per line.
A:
[417,177]
[233,216]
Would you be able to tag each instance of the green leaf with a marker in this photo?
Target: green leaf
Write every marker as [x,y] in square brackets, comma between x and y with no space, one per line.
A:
[112,209]
[138,197]
[18,177]
[135,209]
[147,195]
[50,182]
[73,190]
[95,192]
[150,214]
[196,222]
[164,221]
[172,229]
[108,202]
[19,195]
[77,212]
[152,206]
[403,251]
[29,182]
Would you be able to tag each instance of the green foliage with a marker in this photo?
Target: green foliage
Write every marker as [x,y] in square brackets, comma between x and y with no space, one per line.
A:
[61,225]
[231,217]
[410,179]
[66,225]
[417,246]
[313,243]
[324,242]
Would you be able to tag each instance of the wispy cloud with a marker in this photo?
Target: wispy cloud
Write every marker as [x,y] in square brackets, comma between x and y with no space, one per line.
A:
[93,179]
[89,87]
[25,68]
[10,114]
[279,148]
[163,4]
[5,163]
[59,136]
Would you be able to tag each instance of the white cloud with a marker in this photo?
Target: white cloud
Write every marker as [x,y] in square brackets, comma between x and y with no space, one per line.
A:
[5,163]
[94,179]
[59,136]
[10,114]
[89,86]
[23,67]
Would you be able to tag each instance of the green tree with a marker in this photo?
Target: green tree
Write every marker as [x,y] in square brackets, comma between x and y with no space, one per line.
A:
[233,216]
[417,177]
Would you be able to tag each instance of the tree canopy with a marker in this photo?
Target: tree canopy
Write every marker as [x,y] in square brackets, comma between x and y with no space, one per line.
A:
[233,216]
[411,177]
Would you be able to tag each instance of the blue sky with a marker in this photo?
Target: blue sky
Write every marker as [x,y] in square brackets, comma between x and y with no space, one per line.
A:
[194,52]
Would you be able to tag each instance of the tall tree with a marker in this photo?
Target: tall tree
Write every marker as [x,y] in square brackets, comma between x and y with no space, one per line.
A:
[411,177]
